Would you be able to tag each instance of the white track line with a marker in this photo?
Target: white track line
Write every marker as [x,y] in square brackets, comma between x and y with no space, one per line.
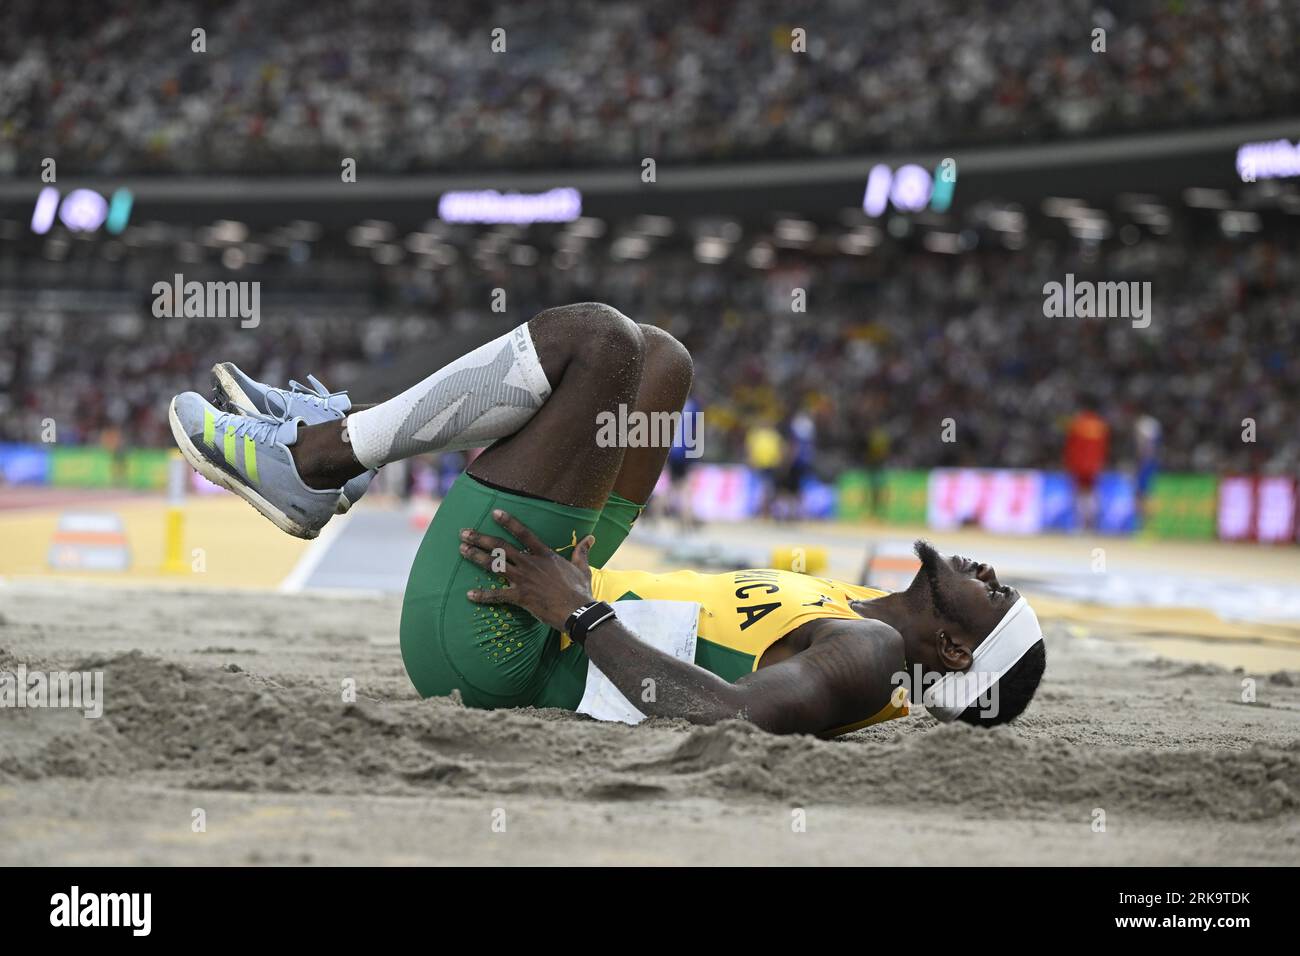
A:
[315,553]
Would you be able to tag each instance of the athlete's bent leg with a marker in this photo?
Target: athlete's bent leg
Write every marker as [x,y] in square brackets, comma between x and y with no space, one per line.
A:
[482,396]
[555,476]
[665,385]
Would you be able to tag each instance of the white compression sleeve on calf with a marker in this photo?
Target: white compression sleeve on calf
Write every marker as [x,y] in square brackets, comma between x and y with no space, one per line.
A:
[485,395]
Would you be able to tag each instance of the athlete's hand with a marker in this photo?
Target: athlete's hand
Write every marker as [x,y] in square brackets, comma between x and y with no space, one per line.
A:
[540,581]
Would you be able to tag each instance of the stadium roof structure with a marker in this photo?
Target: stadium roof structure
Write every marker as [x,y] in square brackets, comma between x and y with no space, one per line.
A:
[1162,164]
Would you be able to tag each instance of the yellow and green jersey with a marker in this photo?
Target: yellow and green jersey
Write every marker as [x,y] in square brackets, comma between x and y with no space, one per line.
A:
[742,613]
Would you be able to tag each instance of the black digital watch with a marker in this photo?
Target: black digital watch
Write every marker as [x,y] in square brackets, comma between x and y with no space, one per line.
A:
[585,618]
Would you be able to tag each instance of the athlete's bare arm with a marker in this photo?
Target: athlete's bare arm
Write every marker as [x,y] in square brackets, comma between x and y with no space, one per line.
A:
[844,676]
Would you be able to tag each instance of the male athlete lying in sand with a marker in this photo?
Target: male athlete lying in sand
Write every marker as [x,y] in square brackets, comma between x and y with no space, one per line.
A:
[790,652]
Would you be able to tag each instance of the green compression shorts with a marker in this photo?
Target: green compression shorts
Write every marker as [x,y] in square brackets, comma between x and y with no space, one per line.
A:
[496,655]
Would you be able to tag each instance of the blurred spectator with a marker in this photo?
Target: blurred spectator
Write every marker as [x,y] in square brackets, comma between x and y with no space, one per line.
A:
[679,465]
[798,451]
[116,87]
[1087,447]
[877,457]
[1146,433]
[763,452]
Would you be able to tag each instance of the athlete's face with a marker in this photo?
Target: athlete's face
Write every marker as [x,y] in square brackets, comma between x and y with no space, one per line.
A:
[965,601]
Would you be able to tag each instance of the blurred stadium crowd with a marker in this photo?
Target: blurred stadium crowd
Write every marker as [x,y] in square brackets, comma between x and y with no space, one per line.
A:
[284,87]
[890,345]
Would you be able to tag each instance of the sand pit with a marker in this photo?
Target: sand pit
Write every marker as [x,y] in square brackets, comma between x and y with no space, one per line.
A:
[232,703]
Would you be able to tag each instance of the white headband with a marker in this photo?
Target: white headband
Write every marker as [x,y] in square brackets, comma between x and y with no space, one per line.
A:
[1015,634]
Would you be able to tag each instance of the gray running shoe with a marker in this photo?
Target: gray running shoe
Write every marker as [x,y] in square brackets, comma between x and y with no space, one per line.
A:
[249,455]
[238,392]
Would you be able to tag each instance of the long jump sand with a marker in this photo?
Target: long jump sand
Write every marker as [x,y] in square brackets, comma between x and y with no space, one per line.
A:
[230,702]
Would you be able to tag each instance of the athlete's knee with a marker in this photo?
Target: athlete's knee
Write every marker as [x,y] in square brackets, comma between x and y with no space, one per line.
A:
[667,362]
[590,325]
[666,353]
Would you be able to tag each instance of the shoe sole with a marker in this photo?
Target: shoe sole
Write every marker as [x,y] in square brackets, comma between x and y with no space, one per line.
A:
[231,397]
[219,477]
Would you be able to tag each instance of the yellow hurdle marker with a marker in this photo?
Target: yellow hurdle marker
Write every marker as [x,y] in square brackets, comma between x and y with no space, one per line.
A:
[805,559]
[174,526]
